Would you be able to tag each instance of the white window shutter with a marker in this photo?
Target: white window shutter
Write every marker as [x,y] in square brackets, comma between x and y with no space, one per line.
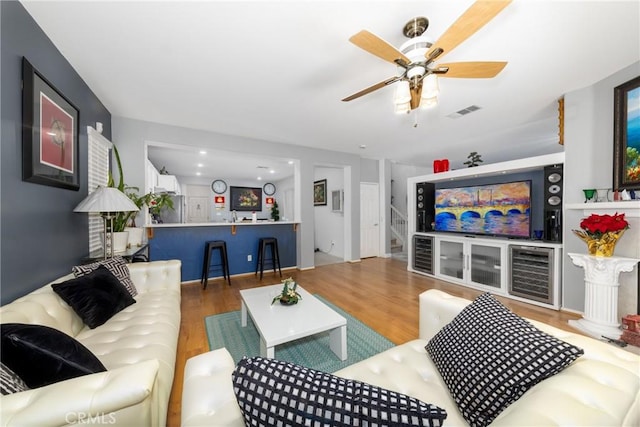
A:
[98,170]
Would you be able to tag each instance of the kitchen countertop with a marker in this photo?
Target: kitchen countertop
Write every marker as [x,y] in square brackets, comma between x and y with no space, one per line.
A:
[220,224]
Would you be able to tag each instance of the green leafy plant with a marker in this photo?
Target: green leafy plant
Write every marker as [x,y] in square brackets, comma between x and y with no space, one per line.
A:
[275,212]
[289,295]
[474,159]
[155,202]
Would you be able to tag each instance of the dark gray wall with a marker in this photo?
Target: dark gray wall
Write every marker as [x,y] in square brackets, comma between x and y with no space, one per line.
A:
[40,236]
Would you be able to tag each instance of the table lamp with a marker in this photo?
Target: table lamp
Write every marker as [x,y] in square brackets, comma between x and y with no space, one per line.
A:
[107,201]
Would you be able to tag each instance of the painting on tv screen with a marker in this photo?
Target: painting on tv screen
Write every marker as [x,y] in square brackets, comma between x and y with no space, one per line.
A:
[495,209]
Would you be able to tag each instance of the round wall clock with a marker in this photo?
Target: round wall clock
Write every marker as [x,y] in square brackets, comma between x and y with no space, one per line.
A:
[269,189]
[219,186]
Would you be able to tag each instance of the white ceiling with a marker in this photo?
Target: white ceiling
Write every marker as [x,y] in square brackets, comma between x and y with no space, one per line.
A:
[277,70]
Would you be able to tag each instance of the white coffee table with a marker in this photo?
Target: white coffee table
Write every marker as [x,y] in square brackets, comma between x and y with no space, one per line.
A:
[278,324]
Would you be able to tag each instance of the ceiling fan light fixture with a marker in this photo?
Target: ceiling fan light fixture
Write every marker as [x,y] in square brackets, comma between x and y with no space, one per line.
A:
[430,88]
[428,102]
[404,108]
[403,93]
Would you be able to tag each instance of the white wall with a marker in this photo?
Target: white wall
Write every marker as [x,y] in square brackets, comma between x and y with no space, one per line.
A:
[329,226]
[589,164]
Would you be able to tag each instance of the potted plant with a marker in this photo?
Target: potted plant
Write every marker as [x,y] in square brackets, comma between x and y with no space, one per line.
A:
[289,294]
[275,212]
[157,202]
[126,221]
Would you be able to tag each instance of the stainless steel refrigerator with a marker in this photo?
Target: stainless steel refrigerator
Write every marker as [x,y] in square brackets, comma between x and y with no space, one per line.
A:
[177,215]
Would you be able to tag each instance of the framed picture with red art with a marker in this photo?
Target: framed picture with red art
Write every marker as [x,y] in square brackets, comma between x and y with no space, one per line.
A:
[49,133]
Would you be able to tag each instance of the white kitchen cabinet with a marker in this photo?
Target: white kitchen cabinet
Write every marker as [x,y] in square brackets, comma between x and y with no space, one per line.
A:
[168,183]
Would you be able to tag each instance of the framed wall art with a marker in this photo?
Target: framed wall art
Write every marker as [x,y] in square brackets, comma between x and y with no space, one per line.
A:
[49,133]
[320,193]
[247,199]
[626,139]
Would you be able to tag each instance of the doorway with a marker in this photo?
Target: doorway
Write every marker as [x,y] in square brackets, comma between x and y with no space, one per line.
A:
[369,220]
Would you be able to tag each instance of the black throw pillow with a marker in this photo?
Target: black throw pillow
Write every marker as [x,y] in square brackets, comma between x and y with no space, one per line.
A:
[275,393]
[41,355]
[95,297]
[489,357]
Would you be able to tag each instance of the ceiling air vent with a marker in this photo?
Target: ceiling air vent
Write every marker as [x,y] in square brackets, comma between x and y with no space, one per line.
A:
[464,112]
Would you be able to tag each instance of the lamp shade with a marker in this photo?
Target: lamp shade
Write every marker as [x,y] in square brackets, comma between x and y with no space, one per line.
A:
[403,93]
[430,88]
[106,199]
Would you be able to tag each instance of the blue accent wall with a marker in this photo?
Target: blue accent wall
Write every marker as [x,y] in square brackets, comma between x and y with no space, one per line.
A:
[40,236]
[187,244]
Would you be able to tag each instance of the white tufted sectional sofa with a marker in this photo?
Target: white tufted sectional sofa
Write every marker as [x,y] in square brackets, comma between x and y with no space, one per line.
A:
[137,346]
[601,388]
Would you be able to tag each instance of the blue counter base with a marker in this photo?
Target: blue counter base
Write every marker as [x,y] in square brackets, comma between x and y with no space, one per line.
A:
[187,245]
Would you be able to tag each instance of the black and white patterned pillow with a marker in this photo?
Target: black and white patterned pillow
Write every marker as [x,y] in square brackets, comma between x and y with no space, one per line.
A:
[489,357]
[116,265]
[275,393]
[10,382]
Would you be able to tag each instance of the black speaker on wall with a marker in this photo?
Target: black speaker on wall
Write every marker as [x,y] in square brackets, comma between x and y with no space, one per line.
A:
[553,200]
[425,206]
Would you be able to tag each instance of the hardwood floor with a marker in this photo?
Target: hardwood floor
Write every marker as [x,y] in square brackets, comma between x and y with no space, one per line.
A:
[378,291]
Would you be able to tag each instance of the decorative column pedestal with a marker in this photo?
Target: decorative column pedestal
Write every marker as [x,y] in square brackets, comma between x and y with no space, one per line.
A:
[601,294]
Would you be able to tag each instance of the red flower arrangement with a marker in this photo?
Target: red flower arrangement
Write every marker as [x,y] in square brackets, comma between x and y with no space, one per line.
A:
[601,232]
[596,225]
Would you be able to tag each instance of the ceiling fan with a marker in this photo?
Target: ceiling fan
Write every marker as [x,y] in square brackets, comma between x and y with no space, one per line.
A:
[417,70]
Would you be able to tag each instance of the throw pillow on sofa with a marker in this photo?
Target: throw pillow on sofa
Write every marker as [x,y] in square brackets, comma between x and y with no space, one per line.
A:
[10,382]
[489,357]
[116,265]
[41,355]
[95,297]
[275,393]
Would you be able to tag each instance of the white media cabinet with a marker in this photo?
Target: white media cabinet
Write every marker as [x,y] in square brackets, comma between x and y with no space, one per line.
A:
[513,268]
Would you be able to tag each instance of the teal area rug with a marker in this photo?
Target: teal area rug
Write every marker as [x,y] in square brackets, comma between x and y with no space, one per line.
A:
[225,330]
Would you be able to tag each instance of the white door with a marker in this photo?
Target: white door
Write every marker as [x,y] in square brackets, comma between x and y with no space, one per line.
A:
[197,209]
[369,220]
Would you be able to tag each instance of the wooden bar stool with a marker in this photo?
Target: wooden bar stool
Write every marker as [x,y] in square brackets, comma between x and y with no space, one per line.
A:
[272,243]
[209,247]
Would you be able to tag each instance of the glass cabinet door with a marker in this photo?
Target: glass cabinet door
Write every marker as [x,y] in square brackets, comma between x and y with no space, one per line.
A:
[486,268]
[451,259]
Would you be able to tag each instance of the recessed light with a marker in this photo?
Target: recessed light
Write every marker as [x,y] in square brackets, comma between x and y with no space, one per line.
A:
[272,171]
[290,162]
[198,173]
[259,178]
[203,152]
[200,165]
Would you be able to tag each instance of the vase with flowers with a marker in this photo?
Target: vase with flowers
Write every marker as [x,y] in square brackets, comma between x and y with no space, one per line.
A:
[601,233]
[289,295]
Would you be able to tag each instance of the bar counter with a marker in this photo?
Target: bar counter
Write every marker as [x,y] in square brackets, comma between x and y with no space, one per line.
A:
[186,242]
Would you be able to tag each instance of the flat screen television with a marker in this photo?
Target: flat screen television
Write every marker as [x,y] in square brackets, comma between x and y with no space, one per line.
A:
[493,210]
[245,198]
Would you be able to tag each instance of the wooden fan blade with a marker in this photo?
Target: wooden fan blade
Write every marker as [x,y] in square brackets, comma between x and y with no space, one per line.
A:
[468,23]
[378,47]
[372,88]
[416,92]
[472,70]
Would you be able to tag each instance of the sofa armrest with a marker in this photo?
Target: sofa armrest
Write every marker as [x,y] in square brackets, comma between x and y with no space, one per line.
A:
[208,398]
[156,275]
[100,398]
[438,308]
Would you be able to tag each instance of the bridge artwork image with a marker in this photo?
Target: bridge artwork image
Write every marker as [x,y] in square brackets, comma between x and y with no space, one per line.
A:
[495,209]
